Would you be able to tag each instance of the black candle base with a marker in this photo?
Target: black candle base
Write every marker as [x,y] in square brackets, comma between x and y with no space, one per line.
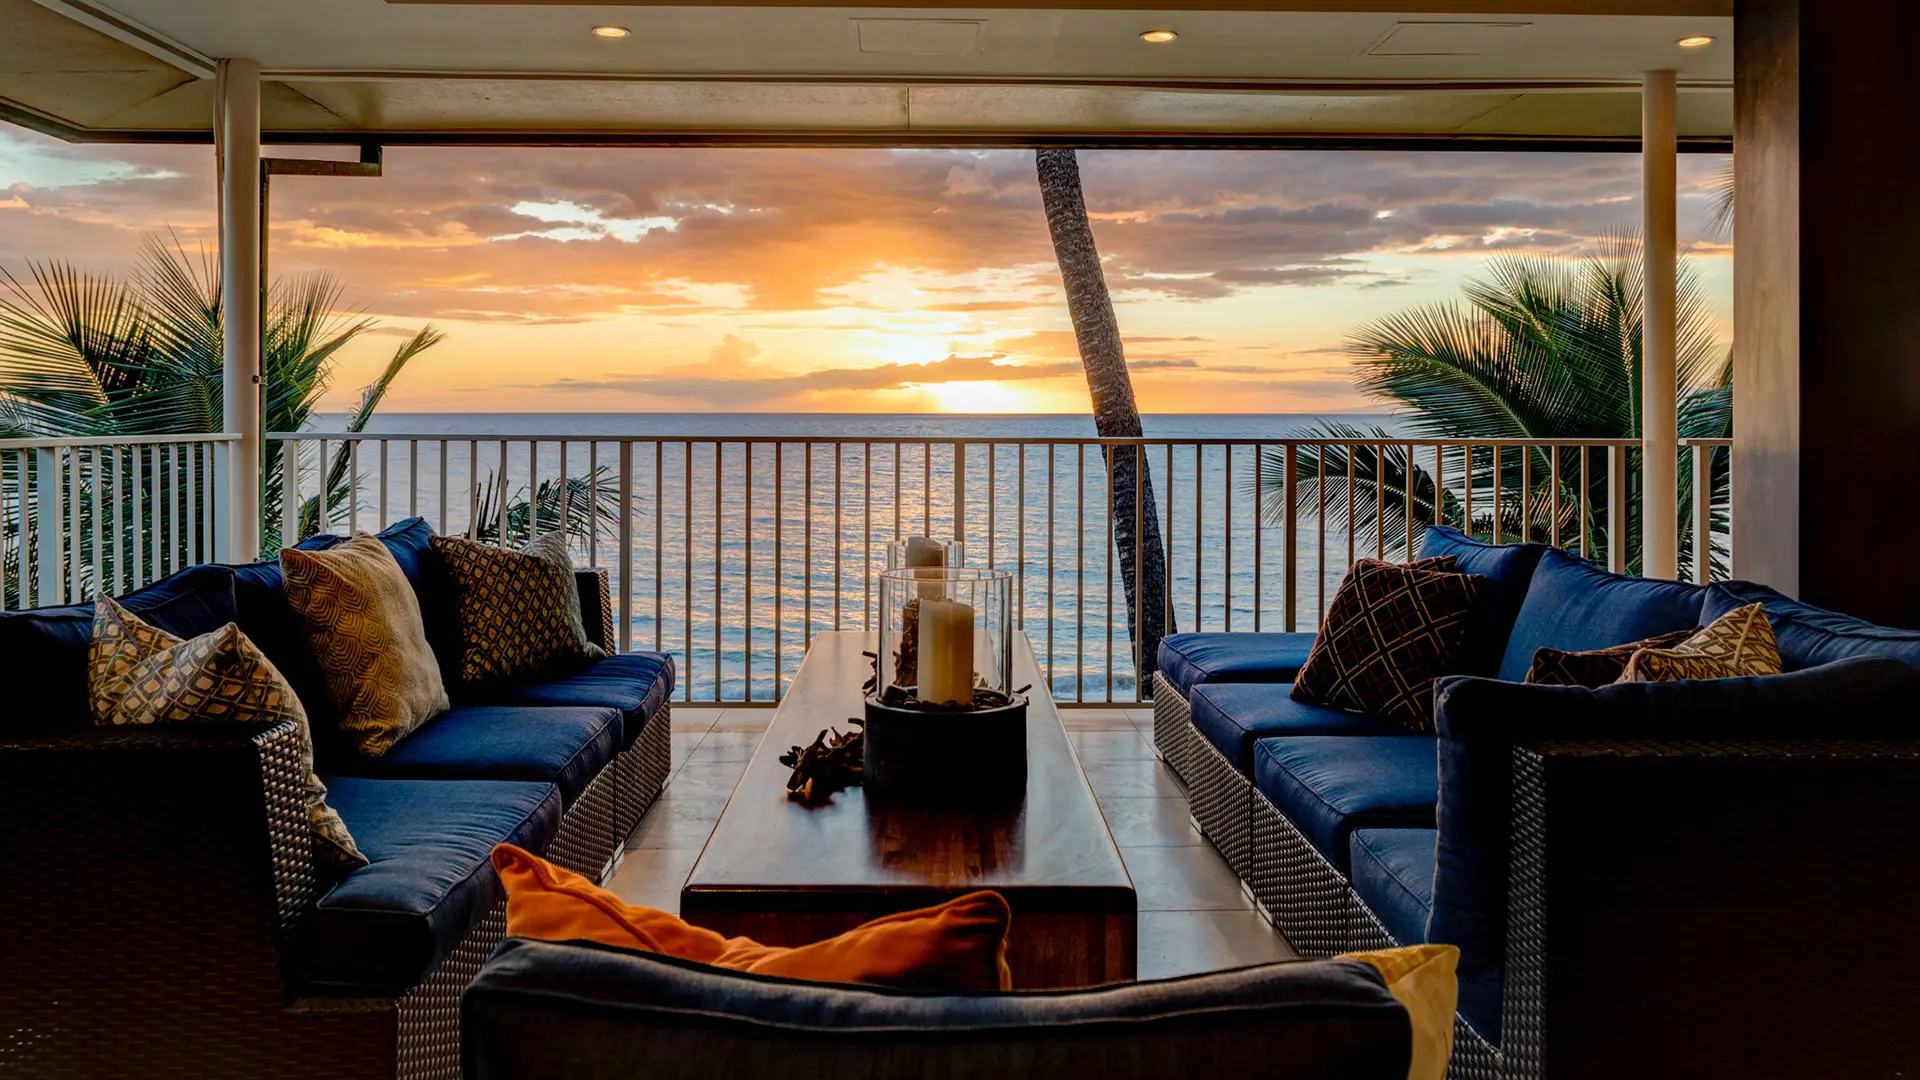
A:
[967,757]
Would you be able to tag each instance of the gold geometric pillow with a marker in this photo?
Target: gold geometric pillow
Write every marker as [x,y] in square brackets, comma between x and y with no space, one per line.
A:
[363,626]
[1738,643]
[140,674]
[518,611]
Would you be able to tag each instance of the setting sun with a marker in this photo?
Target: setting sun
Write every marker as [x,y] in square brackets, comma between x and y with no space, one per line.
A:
[979,397]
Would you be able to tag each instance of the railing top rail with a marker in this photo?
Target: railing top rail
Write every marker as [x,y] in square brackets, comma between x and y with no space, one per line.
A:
[917,440]
[115,440]
[1706,442]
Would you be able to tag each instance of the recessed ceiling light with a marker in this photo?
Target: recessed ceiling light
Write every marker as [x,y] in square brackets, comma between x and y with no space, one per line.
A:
[611,31]
[1695,41]
[1158,37]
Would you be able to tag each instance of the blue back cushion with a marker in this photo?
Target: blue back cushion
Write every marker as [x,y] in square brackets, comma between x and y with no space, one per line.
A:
[48,646]
[1508,568]
[1574,605]
[1810,636]
[260,595]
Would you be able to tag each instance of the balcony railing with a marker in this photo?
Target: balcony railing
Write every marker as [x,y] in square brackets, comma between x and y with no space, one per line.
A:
[85,517]
[731,553]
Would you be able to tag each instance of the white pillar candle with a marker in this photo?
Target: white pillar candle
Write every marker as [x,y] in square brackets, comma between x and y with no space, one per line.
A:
[923,551]
[946,652]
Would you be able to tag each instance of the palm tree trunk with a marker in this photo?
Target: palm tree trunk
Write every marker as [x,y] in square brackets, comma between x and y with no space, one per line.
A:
[1143,558]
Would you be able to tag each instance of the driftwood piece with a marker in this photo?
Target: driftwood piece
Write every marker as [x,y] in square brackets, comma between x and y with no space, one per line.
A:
[832,763]
[906,662]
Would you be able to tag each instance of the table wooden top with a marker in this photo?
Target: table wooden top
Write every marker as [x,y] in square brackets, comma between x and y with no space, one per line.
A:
[1052,851]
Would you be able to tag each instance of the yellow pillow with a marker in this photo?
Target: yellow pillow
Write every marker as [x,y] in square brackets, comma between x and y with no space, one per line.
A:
[958,945]
[1421,978]
[363,625]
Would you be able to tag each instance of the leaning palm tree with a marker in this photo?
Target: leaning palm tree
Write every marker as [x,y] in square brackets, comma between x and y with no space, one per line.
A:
[1544,348]
[1142,558]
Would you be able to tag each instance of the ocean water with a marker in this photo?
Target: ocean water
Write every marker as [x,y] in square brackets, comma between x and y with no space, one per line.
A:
[740,551]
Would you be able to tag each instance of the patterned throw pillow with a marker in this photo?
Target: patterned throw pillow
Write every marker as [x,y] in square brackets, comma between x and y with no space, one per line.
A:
[518,611]
[140,674]
[1390,632]
[1594,668]
[362,624]
[1735,644]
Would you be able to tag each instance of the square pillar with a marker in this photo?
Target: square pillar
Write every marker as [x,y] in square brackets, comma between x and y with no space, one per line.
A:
[1826,454]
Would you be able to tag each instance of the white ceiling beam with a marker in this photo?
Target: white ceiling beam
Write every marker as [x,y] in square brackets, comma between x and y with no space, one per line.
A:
[128,32]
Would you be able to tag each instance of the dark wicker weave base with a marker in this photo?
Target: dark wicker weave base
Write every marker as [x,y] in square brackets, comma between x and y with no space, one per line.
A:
[428,1042]
[1173,734]
[588,840]
[1300,891]
[642,771]
[1219,796]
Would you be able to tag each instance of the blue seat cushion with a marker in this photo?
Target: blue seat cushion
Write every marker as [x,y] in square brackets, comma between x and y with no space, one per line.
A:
[1233,716]
[1393,876]
[1330,785]
[636,683]
[1574,605]
[1508,569]
[563,747]
[47,646]
[1187,660]
[1810,636]
[428,879]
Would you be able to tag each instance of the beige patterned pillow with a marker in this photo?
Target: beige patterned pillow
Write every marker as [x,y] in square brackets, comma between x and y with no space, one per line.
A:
[140,674]
[518,611]
[1735,644]
[363,626]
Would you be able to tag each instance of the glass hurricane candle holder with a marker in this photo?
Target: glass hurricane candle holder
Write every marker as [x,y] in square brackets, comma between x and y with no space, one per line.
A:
[946,637]
[923,552]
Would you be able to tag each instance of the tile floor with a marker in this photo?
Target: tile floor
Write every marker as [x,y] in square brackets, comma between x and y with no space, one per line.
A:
[1193,914]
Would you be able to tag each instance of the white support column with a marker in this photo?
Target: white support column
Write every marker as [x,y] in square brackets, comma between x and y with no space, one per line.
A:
[237,126]
[1659,411]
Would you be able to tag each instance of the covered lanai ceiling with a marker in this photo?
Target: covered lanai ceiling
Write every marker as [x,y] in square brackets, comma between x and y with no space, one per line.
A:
[423,71]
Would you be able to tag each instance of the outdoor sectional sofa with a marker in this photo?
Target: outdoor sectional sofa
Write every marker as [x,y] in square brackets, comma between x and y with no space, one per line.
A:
[162,911]
[1690,878]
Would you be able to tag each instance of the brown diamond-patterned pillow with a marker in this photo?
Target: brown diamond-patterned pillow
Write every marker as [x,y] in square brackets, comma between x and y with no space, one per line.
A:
[363,625]
[518,611]
[1390,632]
[1594,668]
[1738,643]
[140,674]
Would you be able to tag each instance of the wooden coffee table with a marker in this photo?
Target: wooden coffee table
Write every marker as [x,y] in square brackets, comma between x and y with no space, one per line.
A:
[785,874]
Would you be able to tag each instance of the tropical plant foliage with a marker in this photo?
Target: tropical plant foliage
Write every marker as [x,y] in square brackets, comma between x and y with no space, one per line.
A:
[1543,348]
[84,355]
[575,504]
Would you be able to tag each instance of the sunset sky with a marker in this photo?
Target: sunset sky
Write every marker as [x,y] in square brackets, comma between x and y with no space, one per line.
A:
[854,280]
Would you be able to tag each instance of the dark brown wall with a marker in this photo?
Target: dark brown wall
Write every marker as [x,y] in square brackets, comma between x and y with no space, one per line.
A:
[1828,106]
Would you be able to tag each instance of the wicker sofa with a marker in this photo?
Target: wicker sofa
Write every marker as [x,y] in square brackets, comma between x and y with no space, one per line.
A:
[1574,842]
[163,912]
